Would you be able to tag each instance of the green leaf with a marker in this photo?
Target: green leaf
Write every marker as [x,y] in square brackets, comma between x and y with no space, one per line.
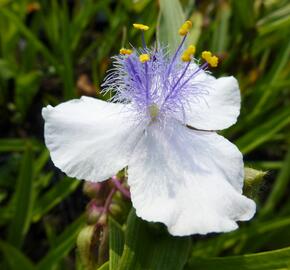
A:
[23,198]
[171,17]
[64,243]
[150,249]
[41,161]
[7,70]
[244,12]
[252,233]
[13,145]
[273,75]
[15,259]
[116,238]
[105,266]
[277,259]
[27,85]
[85,242]
[222,23]
[13,18]
[195,32]
[279,187]
[54,196]
[264,131]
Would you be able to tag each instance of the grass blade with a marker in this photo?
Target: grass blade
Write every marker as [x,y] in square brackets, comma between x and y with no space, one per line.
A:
[23,198]
[54,196]
[116,238]
[277,259]
[64,243]
[15,259]
[152,249]
[171,17]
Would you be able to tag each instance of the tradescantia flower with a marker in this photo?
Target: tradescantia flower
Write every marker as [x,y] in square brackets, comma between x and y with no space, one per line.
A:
[161,124]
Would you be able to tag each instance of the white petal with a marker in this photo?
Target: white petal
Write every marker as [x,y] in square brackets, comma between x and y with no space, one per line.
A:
[189,180]
[90,139]
[219,108]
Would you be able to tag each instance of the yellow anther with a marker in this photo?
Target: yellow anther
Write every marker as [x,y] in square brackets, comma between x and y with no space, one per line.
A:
[125,51]
[144,58]
[188,53]
[140,26]
[186,57]
[184,29]
[212,60]
[191,49]
[188,24]
[206,55]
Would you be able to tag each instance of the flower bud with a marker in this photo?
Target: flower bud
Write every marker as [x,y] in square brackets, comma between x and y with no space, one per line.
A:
[253,181]
[91,189]
[93,213]
[115,209]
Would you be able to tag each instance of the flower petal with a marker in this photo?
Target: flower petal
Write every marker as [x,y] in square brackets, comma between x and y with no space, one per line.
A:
[90,139]
[219,108]
[189,180]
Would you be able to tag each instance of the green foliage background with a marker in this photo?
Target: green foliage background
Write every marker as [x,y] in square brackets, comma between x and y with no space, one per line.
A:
[45,49]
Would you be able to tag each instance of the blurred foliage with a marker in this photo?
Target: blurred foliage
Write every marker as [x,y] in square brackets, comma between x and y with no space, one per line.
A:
[51,51]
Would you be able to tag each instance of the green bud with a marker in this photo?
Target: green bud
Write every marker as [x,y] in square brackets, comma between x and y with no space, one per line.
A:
[253,181]
[93,213]
[115,209]
[91,189]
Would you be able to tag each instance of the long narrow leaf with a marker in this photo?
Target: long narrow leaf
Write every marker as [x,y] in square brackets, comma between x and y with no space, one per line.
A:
[170,19]
[23,199]
[54,196]
[116,238]
[64,243]
[146,249]
[277,259]
[15,259]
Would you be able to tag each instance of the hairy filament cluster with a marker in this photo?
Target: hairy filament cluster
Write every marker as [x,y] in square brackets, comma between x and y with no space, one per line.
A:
[156,83]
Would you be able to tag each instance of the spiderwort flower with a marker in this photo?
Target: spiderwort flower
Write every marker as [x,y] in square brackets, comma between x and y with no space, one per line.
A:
[161,124]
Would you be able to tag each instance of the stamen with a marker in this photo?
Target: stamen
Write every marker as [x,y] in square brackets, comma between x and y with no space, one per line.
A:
[143,40]
[184,29]
[191,49]
[209,58]
[188,53]
[186,57]
[141,27]
[125,51]
[143,58]
[202,67]
[181,76]
[175,55]
[214,61]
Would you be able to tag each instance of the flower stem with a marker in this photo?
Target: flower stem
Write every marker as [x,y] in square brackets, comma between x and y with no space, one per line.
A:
[123,190]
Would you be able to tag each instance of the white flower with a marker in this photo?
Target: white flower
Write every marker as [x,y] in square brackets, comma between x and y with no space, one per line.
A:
[189,179]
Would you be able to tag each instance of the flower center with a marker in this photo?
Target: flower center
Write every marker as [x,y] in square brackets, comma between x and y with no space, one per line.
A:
[156,83]
[153,111]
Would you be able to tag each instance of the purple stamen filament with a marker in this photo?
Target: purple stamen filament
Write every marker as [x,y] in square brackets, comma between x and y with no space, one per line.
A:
[175,55]
[179,79]
[133,69]
[202,67]
[143,40]
[147,83]
[119,186]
